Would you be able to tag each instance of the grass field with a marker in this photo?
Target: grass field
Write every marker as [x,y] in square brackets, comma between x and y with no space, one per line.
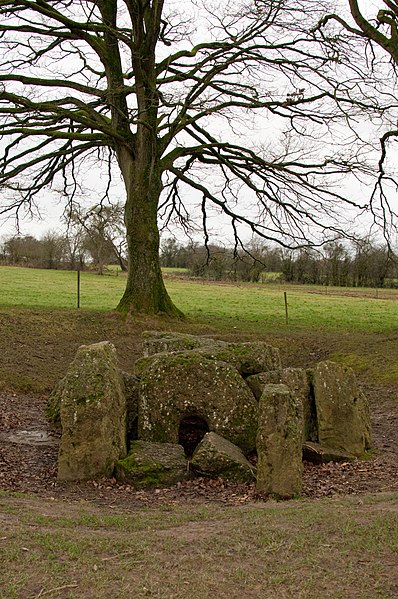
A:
[340,549]
[41,327]
[246,307]
[346,548]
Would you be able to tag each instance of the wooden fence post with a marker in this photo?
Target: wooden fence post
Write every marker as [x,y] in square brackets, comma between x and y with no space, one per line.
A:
[286,308]
[78,288]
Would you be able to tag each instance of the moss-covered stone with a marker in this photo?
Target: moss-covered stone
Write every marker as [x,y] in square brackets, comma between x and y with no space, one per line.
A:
[154,342]
[217,457]
[93,412]
[279,443]
[248,358]
[342,409]
[175,386]
[298,382]
[320,454]
[152,465]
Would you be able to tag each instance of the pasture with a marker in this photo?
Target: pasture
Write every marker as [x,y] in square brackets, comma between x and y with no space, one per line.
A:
[41,327]
[247,307]
[92,545]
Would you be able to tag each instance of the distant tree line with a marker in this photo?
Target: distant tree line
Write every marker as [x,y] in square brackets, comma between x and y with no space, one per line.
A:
[216,262]
[95,239]
[363,264]
[91,239]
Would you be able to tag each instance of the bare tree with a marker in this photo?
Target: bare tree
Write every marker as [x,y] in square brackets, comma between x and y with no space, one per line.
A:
[381,29]
[378,31]
[167,97]
[101,233]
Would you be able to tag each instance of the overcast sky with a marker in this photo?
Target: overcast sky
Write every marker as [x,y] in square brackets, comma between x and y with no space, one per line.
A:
[52,204]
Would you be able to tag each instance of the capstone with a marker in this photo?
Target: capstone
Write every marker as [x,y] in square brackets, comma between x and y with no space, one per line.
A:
[154,342]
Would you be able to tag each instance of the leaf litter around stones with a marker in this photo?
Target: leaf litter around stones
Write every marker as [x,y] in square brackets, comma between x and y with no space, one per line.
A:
[32,466]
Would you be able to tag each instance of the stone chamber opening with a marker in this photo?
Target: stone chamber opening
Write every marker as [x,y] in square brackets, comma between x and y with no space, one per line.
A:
[191,431]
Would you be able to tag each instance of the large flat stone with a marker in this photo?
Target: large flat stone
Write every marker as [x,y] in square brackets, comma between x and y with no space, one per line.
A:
[179,385]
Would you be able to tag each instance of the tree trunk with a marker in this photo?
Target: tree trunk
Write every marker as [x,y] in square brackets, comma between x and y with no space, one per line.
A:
[145,290]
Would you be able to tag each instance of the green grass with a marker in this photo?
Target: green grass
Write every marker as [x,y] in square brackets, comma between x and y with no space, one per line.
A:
[41,328]
[240,307]
[252,307]
[37,288]
[343,548]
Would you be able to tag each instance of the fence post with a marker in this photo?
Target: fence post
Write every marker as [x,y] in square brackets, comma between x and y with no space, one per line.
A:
[286,308]
[78,288]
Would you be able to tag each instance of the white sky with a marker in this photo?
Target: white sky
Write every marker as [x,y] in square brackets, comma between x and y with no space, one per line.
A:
[51,205]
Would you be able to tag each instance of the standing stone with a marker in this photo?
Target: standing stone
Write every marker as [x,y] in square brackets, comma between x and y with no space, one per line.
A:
[93,412]
[279,443]
[298,382]
[342,409]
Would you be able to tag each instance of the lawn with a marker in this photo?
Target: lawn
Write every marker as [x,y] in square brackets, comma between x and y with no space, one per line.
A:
[245,307]
[345,548]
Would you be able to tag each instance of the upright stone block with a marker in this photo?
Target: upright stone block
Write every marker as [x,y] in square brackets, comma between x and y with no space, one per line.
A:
[179,385]
[342,409]
[279,443]
[93,412]
[298,382]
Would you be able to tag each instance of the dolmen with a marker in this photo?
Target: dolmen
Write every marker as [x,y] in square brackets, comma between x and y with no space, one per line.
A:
[196,405]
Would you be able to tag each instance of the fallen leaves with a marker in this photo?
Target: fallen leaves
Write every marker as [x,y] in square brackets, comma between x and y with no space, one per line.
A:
[34,469]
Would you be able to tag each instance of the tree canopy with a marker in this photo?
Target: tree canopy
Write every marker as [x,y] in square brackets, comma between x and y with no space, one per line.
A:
[178,99]
[377,28]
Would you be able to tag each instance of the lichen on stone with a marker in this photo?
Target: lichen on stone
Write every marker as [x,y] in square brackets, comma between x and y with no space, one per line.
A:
[217,457]
[184,384]
[342,409]
[93,412]
[152,465]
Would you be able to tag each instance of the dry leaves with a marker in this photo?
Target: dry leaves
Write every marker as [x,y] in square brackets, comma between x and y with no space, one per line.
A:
[34,469]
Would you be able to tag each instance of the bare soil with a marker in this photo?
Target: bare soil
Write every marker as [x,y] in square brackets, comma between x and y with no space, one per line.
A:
[31,465]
